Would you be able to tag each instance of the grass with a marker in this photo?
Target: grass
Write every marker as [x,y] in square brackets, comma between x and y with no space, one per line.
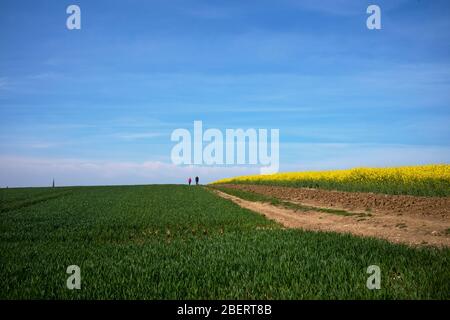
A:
[179,242]
[252,196]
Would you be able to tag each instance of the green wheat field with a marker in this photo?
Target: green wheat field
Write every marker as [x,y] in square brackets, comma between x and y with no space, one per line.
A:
[180,242]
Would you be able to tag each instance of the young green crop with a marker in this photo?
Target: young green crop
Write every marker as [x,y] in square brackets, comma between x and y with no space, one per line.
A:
[179,242]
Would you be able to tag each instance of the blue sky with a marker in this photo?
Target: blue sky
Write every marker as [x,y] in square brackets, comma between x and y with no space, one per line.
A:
[98,105]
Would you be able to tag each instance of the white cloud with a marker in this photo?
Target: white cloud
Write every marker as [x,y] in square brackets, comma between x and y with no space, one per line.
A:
[28,171]
[43,145]
[138,135]
[33,171]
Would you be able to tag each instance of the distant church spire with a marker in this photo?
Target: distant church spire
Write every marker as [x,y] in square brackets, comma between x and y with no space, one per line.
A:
[53,184]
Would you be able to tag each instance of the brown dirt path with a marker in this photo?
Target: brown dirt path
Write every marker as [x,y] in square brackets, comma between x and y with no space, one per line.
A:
[413,230]
[356,201]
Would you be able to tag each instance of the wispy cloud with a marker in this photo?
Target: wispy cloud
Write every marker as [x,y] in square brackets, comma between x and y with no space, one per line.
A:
[43,145]
[3,82]
[344,7]
[324,156]
[29,171]
[210,12]
[139,135]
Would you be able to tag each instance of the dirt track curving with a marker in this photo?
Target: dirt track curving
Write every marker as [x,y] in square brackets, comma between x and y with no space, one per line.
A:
[400,219]
[360,201]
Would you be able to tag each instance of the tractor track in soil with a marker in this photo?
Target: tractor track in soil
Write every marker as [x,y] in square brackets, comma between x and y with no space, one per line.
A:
[410,220]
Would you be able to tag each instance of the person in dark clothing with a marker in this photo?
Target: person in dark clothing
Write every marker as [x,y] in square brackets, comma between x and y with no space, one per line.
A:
[196,180]
[189,180]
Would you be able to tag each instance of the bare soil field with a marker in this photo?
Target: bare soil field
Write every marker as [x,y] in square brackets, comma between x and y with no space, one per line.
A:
[396,218]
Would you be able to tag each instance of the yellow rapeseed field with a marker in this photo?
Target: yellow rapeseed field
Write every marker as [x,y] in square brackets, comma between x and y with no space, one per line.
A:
[428,180]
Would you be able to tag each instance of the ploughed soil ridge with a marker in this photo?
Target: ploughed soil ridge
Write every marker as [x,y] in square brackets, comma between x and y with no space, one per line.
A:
[397,218]
[355,201]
